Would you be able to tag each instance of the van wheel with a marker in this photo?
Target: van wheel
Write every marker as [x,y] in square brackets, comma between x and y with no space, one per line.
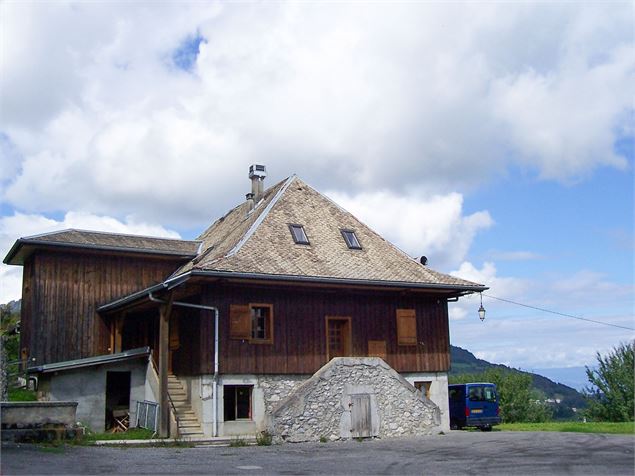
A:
[455,426]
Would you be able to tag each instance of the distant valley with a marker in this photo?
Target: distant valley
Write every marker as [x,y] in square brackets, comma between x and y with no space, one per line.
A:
[464,362]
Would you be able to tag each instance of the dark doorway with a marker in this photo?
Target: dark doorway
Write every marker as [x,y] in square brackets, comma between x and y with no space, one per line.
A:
[237,402]
[117,397]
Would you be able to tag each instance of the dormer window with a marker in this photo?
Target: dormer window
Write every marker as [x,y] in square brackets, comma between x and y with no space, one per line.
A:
[299,235]
[351,239]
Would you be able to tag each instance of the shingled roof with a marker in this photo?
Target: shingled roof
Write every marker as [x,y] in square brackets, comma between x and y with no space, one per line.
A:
[258,242]
[96,240]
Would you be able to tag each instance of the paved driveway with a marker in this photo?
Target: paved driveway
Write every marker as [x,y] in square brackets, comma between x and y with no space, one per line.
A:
[477,453]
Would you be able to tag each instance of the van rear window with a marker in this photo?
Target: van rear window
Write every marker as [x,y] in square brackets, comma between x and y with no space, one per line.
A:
[482,394]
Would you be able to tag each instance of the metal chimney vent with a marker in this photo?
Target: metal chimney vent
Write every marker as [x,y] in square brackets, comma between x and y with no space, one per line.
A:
[259,171]
[257,174]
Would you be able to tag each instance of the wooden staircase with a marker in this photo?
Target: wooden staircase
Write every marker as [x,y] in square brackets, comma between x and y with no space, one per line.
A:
[189,426]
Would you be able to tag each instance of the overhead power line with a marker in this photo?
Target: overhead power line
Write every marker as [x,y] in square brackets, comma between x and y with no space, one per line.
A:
[558,313]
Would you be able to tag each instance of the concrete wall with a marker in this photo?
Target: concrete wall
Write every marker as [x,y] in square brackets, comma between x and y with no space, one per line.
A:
[30,414]
[438,392]
[87,387]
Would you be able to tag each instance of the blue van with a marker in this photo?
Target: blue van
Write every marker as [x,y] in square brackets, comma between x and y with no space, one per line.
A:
[473,404]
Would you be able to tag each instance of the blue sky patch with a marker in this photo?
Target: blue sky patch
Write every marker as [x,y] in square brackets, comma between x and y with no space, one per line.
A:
[184,57]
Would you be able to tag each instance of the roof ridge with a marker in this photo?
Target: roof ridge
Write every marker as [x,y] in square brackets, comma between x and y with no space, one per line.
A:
[254,226]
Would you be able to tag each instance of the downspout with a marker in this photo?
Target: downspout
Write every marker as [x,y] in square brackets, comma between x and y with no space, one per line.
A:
[216,352]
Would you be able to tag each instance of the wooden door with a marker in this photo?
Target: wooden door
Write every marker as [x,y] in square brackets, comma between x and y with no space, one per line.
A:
[338,337]
[360,416]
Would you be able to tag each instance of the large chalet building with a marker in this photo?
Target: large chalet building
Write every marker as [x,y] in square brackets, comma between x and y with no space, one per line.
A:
[287,314]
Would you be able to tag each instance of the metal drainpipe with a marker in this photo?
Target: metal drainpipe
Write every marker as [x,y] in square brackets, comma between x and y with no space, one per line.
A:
[215,381]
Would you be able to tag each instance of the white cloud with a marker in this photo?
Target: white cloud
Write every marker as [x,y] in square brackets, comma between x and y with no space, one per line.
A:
[435,227]
[415,98]
[21,225]
[529,338]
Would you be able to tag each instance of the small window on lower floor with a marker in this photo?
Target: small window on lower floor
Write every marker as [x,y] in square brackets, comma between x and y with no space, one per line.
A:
[424,388]
[237,402]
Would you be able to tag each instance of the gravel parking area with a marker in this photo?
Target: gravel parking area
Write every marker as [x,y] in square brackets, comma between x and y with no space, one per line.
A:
[504,453]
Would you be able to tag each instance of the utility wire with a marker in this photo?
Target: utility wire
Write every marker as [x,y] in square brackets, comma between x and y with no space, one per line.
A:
[558,313]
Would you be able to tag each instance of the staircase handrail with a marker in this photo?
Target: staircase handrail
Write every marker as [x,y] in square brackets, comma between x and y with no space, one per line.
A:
[172,407]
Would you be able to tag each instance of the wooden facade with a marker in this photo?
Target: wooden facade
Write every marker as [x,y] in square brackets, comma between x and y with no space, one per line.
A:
[62,290]
[299,342]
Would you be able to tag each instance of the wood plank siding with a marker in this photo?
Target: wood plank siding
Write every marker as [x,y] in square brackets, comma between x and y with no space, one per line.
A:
[61,292]
[299,330]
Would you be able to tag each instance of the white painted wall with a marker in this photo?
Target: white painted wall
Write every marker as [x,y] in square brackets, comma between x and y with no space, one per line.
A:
[438,392]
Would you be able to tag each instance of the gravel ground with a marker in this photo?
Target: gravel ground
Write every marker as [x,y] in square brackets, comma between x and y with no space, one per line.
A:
[505,453]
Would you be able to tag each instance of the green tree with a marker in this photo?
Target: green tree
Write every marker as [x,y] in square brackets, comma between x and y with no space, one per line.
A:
[612,385]
[518,401]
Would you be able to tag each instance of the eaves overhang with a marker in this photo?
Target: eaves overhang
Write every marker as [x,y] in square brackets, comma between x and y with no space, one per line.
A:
[452,290]
[285,278]
[23,247]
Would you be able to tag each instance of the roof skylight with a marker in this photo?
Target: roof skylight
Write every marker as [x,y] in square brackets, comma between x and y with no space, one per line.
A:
[299,235]
[351,239]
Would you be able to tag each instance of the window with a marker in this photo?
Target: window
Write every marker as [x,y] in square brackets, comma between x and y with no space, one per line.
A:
[299,235]
[406,327]
[424,387]
[351,239]
[260,322]
[251,322]
[482,394]
[237,402]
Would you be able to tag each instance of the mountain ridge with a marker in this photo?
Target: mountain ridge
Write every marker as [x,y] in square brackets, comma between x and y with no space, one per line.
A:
[567,399]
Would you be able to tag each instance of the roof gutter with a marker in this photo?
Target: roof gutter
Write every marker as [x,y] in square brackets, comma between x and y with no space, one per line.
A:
[346,281]
[182,278]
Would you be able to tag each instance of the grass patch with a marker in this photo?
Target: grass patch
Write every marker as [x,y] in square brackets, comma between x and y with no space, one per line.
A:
[264,438]
[22,395]
[237,442]
[131,434]
[622,428]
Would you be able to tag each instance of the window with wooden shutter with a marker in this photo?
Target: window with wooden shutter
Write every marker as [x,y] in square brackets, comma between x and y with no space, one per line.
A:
[406,327]
[261,323]
[239,321]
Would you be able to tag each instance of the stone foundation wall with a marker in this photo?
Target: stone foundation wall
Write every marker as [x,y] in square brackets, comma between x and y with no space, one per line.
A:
[277,388]
[321,406]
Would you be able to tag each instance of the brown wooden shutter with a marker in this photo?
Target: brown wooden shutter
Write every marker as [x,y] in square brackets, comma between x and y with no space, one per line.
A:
[239,321]
[377,348]
[406,327]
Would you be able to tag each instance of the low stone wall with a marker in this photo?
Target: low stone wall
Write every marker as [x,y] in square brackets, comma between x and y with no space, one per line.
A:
[321,406]
[38,421]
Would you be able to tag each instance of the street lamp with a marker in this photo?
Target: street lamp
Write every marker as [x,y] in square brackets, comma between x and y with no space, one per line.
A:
[481,310]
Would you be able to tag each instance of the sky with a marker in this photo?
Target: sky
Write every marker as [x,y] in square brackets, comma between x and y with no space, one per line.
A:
[495,138]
